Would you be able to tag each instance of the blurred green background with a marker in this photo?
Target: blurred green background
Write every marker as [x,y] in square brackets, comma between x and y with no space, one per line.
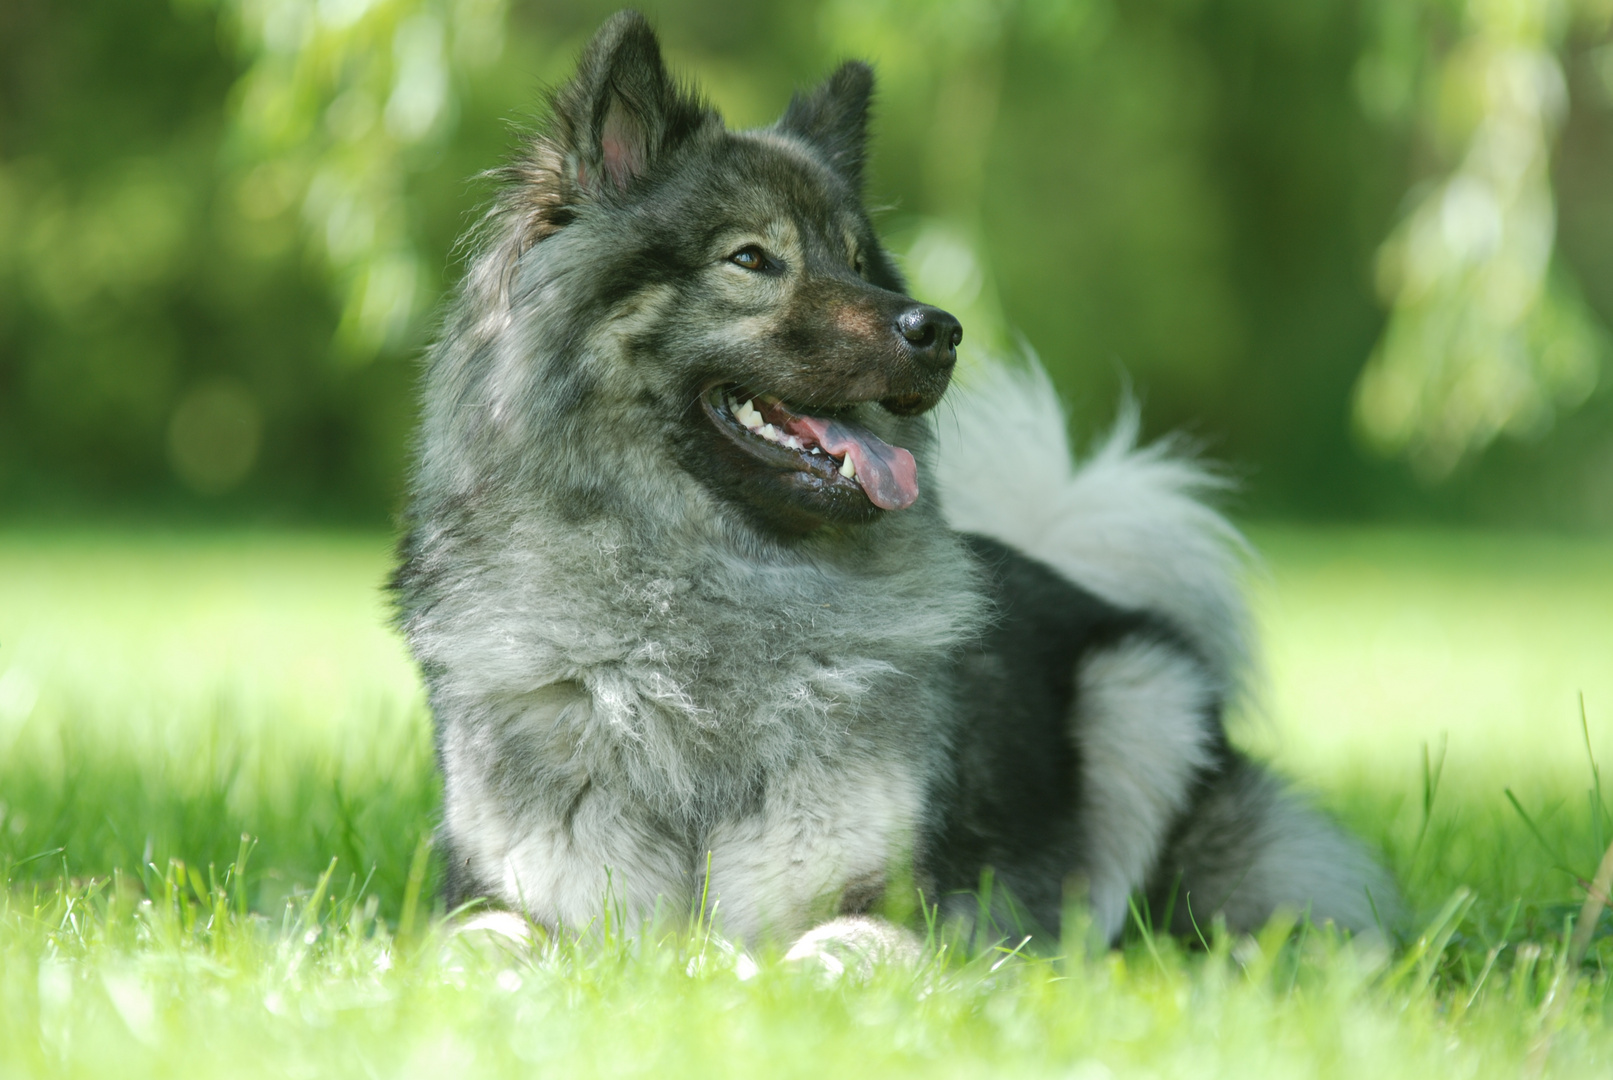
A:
[1361,249]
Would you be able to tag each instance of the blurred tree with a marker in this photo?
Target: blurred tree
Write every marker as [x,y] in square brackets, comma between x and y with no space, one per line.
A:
[1488,333]
[1314,233]
[340,102]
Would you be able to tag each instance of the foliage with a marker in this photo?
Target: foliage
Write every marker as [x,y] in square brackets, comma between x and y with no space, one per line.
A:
[1484,338]
[340,101]
[224,225]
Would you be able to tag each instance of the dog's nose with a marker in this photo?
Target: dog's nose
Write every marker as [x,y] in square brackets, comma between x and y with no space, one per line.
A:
[931,334]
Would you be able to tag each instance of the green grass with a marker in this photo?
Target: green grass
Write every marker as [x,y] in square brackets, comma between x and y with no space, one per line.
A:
[162,696]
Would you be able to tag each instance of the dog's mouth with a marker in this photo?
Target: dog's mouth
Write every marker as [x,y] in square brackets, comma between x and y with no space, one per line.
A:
[834,449]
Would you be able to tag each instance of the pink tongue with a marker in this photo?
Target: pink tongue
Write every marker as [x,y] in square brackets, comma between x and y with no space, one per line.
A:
[887,473]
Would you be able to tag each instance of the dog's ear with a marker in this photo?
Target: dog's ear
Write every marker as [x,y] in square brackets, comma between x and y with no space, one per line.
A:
[622,110]
[834,118]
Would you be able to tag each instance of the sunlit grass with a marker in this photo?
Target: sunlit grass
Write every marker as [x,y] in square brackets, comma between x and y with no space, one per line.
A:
[1410,667]
[161,696]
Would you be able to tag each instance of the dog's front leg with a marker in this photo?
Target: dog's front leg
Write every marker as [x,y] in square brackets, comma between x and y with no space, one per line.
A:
[823,843]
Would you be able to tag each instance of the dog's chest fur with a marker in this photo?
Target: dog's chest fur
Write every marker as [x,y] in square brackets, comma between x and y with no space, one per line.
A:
[755,728]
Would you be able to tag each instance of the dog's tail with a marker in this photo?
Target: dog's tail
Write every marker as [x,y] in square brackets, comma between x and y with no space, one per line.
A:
[1128,523]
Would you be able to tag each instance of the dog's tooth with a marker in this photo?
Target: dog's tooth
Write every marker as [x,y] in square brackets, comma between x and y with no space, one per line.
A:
[848,468]
[792,442]
[769,432]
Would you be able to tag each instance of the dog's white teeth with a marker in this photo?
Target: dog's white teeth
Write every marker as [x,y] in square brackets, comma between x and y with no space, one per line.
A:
[747,413]
[848,468]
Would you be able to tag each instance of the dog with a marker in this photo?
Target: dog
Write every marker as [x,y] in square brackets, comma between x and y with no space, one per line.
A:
[712,610]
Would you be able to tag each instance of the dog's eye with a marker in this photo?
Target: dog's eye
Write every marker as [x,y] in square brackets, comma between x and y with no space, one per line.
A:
[750,257]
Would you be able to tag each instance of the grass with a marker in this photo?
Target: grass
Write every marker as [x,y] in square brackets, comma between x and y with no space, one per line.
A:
[164,696]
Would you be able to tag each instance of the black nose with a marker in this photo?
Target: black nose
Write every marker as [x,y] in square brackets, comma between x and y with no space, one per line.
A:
[931,334]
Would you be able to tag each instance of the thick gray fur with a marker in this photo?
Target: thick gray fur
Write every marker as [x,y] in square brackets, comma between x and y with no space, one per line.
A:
[645,693]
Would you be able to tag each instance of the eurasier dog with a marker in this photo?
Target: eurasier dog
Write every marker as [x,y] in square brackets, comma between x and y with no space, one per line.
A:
[705,611]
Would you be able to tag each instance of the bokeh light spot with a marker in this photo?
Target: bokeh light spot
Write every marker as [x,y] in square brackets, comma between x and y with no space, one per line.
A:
[214,436]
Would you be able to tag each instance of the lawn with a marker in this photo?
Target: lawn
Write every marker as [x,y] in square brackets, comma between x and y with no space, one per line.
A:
[216,780]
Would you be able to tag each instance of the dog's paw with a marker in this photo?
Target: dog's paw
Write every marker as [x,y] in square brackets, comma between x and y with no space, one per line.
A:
[491,933]
[498,924]
[856,945]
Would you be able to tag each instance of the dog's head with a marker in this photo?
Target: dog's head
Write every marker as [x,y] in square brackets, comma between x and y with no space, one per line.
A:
[732,285]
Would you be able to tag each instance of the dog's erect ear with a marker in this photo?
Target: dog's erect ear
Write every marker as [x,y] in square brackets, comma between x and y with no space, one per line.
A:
[622,110]
[834,118]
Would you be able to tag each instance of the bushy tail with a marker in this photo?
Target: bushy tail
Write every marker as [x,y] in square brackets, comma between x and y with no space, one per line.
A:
[1127,523]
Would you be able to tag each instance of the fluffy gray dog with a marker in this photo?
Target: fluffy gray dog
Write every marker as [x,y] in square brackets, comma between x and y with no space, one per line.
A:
[704,609]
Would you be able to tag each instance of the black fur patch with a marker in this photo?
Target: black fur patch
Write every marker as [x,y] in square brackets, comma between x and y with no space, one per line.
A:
[1015,806]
